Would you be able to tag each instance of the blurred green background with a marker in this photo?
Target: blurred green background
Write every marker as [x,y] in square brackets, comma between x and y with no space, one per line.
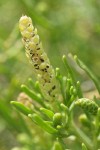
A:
[65,26]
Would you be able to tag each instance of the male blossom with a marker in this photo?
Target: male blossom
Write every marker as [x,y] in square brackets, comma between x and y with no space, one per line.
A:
[38,58]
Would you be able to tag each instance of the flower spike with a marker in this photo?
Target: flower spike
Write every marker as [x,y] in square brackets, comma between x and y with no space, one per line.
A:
[38,58]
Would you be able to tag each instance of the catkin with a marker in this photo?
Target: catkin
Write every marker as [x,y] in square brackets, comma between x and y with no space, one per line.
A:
[38,58]
[87,105]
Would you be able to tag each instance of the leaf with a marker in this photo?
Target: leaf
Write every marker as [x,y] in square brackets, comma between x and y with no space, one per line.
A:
[70,71]
[84,147]
[34,96]
[68,68]
[47,112]
[23,109]
[88,71]
[62,80]
[44,125]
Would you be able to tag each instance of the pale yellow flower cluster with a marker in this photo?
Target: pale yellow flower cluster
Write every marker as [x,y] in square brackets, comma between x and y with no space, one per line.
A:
[24,99]
[38,58]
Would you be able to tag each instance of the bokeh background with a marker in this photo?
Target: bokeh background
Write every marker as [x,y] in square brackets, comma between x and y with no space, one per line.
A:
[65,26]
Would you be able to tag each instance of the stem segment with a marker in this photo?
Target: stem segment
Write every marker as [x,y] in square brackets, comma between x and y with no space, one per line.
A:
[82,136]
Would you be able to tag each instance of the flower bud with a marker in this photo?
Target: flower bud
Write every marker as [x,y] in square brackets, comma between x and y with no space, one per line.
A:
[87,105]
[57,119]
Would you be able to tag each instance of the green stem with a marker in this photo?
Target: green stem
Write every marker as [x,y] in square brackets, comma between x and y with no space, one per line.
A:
[82,136]
[79,133]
[62,143]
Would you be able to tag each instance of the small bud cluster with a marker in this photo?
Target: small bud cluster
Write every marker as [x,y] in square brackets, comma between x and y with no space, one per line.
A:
[87,105]
[24,99]
[38,58]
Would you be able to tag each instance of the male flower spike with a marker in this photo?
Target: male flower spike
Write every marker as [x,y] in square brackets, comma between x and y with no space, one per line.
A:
[38,58]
